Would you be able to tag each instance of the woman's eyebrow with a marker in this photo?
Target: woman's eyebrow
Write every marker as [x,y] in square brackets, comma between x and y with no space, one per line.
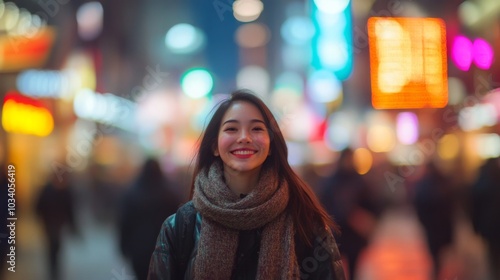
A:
[236,121]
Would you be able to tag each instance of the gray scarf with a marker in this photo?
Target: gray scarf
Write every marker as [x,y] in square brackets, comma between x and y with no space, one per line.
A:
[225,214]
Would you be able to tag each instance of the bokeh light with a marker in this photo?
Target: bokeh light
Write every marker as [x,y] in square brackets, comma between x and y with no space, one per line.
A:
[254,78]
[252,35]
[21,114]
[381,138]
[184,38]
[297,30]
[487,145]
[468,13]
[332,7]
[10,16]
[448,147]
[247,10]
[89,17]
[340,131]
[197,83]
[407,128]
[43,83]
[105,108]
[24,23]
[332,43]
[477,117]
[300,123]
[363,160]
[323,86]
[483,54]
[462,53]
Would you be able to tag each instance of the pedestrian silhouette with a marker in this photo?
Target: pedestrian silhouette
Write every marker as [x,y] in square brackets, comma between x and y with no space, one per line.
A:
[55,208]
[485,211]
[434,204]
[345,196]
[145,206]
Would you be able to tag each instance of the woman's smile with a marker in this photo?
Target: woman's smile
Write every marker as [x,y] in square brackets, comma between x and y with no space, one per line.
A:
[243,153]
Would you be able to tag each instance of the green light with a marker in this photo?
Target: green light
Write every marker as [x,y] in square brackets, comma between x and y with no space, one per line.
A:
[197,83]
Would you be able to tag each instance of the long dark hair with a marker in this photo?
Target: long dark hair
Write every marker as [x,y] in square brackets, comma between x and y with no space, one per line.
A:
[304,206]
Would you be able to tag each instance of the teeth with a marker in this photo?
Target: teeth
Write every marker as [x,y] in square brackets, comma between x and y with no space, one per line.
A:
[243,152]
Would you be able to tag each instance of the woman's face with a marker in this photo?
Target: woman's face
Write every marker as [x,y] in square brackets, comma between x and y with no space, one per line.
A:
[243,141]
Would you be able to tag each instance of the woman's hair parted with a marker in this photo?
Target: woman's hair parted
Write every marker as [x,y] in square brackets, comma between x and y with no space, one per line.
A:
[304,206]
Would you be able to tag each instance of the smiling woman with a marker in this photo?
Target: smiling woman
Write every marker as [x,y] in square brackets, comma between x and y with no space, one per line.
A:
[247,204]
[243,146]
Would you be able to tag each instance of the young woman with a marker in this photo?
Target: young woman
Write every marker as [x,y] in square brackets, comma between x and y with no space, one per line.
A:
[250,216]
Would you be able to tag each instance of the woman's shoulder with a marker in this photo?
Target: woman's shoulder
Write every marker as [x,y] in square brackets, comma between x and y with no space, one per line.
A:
[186,209]
[177,230]
[321,259]
[318,235]
[185,216]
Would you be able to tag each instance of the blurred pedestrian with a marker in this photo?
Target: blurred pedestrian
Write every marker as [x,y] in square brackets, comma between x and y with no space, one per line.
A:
[345,195]
[485,210]
[251,216]
[55,208]
[146,205]
[434,204]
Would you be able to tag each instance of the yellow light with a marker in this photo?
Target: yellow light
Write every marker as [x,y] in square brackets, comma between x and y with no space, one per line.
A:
[23,118]
[448,147]
[363,160]
[408,62]
[381,138]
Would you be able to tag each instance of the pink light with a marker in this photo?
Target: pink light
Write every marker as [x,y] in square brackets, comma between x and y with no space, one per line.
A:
[407,128]
[483,54]
[462,53]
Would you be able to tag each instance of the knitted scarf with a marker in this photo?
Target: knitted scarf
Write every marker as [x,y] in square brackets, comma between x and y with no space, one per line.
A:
[225,214]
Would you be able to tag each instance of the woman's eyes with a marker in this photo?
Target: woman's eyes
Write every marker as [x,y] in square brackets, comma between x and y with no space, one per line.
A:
[257,128]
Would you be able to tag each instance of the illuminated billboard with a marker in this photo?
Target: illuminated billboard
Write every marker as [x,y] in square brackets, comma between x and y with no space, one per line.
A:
[408,66]
[19,52]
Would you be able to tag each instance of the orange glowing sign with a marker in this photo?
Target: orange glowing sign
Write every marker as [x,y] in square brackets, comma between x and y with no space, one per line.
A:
[21,114]
[408,62]
[18,52]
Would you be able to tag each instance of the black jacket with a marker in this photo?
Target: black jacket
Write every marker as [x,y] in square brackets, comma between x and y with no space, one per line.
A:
[316,262]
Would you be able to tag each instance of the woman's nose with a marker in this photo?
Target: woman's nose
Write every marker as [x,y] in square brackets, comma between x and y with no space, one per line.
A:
[244,137]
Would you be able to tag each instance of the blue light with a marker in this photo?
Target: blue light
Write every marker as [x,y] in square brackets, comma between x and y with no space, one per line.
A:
[324,87]
[297,30]
[332,44]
